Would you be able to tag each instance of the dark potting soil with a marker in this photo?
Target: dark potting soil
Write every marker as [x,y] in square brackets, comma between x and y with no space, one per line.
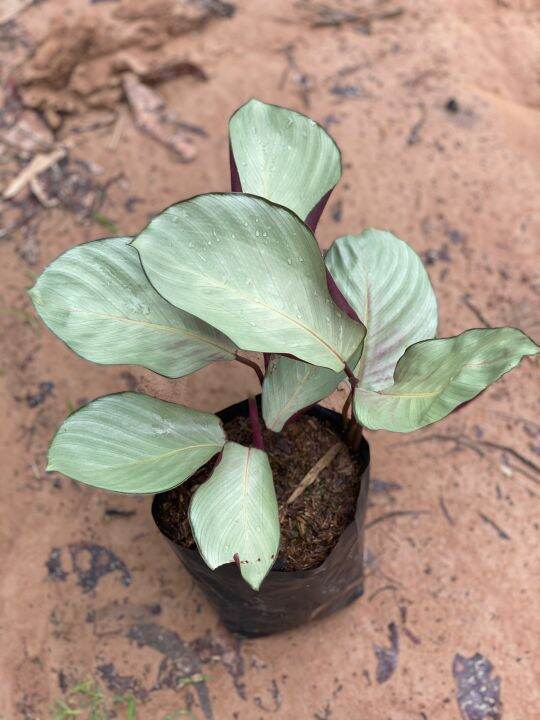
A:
[313,523]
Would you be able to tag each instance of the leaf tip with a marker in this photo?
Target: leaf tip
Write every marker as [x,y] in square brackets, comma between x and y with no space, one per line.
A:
[134,242]
[273,424]
[253,582]
[533,348]
[33,294]
[253,102]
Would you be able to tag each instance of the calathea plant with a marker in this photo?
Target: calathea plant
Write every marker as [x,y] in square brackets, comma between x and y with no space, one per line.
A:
[223,273]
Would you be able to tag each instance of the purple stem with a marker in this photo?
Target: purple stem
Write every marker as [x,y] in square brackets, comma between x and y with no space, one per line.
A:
[253,365]
[255,423]
[352,378]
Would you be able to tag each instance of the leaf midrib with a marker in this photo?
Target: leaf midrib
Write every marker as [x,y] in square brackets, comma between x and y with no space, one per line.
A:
[245,494]
[440,389]
[239,293]
[361,369]
[156,326]
[293,396]
[152,458]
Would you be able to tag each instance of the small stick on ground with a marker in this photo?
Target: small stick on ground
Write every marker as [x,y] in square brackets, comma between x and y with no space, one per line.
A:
[445,511]
[500,532]
[38,191]
[36,166]
[477,445]
[466,299]
[315,471]
[117,131]
[395,514]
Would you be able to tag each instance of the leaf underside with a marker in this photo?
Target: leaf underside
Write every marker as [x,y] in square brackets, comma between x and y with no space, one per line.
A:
[251,269]
[234,514]
[292,385]
[97,299]
[132,443]
[436,376]
[385,283]
[283,156]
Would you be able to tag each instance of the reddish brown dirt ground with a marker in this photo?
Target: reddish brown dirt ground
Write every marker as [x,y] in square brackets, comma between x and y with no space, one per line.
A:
[436,106]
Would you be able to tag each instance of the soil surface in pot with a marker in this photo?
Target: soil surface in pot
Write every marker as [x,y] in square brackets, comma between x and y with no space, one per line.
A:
[312,524]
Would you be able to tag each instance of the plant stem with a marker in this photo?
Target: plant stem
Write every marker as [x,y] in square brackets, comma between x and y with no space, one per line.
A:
[255,423]
[352,378]
[253,365]
[354,435]
[345,410]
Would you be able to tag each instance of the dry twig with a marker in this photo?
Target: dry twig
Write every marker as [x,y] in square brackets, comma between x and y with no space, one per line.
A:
[395,514]
[38,164]
[151,116]
[315,471]
[461,441]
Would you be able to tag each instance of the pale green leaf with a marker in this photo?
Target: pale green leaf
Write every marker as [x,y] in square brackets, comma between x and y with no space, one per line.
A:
[234,514]
[401,310]
[436,376]
[97,299]
[292,385]
[385,283]
[134,444]
[251,269]
[283,156]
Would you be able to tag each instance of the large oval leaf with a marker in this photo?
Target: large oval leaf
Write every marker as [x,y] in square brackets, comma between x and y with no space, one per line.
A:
[283,156]
[251,269]
[435,376]
[385,283]
[234,514]
[97,299]
[134,444]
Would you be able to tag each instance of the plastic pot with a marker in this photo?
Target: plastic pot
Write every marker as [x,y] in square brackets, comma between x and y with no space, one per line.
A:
[286,599]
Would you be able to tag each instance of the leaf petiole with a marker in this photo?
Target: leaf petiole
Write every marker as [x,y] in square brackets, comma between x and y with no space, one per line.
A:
[252,364]
[256,431]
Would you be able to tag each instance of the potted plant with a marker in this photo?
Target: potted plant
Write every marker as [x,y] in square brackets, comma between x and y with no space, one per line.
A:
[220,274]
